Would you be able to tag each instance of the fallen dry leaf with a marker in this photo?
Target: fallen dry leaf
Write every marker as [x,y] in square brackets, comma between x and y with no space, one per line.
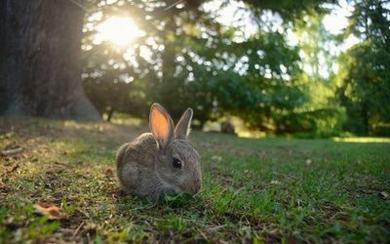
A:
[109,172]
[51,211]
[12,169]
[2,185]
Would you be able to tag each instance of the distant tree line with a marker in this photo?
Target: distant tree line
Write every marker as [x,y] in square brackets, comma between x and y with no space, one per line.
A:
[218,70]
[195,61]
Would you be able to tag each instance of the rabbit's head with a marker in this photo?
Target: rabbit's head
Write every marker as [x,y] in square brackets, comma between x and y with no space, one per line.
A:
[177,162]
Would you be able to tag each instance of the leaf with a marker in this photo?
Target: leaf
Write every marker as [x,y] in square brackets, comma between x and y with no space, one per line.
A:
[51,211]
[109,172]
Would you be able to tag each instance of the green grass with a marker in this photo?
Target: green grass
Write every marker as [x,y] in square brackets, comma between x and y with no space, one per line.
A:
[258,190]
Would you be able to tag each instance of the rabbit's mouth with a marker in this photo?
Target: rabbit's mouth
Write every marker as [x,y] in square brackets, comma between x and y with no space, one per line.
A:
[167,186]
[186,186]
[192,188]
[171,189]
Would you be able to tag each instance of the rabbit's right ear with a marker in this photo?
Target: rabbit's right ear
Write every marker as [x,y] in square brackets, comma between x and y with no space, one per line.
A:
[183,129]
[161,125]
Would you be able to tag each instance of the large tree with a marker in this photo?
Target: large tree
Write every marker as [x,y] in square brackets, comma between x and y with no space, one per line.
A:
[40,74]
[364,75]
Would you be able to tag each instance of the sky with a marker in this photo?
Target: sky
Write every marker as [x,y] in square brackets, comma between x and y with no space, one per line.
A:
[337,20]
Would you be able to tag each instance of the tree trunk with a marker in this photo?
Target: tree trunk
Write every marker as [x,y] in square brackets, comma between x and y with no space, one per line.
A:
[364,113]
[169,81]
[110,114]
[40,73]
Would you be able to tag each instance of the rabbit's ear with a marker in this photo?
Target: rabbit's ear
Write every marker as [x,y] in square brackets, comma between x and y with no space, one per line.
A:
[161,125]
[182,129]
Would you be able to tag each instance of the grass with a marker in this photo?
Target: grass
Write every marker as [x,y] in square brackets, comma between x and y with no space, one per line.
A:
[257,190]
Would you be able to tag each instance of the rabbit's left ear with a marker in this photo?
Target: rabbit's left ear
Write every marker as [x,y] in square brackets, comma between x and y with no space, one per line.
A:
[161,125]
[183,127]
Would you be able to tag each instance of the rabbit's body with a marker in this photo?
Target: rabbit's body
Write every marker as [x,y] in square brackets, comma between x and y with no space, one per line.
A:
[135,174]
[147,166]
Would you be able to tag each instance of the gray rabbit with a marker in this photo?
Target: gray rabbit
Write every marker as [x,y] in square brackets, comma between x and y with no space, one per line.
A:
[162,161]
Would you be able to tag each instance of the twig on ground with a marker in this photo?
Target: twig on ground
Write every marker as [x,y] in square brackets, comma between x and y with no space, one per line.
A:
[77,230]
[203,234]
[10,152]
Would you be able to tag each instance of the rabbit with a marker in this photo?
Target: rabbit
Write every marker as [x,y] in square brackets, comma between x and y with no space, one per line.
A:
[162,161]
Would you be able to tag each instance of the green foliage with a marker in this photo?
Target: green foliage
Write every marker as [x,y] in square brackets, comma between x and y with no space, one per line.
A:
[195,61]
[321,115]
[288,9]
[249,81]
[365,69]
[188,59]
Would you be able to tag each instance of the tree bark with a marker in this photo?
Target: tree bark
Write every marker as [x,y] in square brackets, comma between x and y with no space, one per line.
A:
[169,81]
[110,113]
[364,113]
[40,73]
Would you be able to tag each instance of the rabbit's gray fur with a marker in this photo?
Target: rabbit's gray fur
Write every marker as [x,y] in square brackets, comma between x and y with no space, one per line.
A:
[145,165]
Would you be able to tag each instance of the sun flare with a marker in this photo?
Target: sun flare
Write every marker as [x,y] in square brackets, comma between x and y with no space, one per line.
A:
[120,31]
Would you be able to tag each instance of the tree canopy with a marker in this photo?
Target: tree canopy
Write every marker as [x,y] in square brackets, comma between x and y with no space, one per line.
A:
[273,64]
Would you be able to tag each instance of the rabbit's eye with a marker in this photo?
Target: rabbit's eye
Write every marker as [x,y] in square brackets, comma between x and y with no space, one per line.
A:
[176,163]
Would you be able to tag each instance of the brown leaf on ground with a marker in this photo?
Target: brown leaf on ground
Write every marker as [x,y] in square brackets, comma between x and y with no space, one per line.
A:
[109,172]
[2,185]
[12,169]
[51,211]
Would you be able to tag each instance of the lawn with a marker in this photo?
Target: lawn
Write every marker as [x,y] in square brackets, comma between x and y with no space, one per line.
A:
[256,190]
